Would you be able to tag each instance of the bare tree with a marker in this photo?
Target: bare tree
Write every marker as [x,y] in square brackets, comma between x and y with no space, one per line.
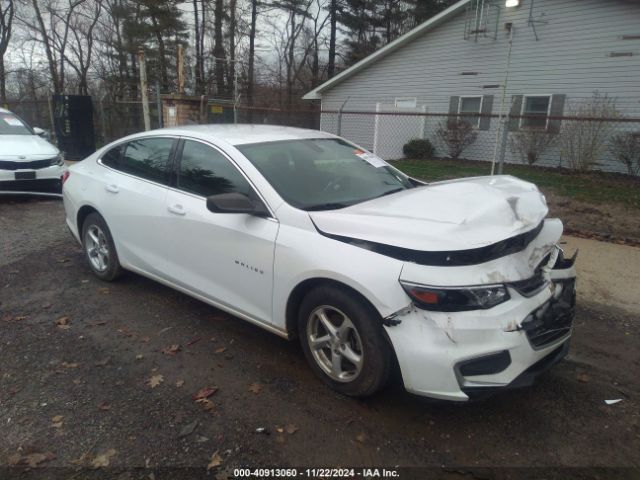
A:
[82,27]
[7,13]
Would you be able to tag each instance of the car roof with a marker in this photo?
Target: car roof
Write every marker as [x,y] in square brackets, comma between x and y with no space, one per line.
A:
[243,134]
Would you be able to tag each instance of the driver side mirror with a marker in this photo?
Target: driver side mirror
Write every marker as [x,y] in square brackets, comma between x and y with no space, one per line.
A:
[236,203]
[40,132]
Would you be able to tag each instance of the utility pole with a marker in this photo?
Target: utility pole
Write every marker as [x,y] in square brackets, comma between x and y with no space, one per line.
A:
[159,104]
[144,90]
[180,70]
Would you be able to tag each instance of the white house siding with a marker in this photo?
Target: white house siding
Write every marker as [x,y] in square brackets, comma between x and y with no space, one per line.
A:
[571,57]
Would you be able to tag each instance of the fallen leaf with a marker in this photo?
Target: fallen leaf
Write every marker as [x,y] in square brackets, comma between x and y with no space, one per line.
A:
[205,392]
[179,383]
[104,290]
[220,350]
[171,350]
[279,429]
[102,363]
[361,437]
[206,404]
[188,429]
[155,380]
[70,365]
[56,422]
[291,429]
[139,356]
[583,377]
[77,381]
[63,323]
[35,459]
[104,406]
[255,388]
[103,459]
[216,461]
[21,317]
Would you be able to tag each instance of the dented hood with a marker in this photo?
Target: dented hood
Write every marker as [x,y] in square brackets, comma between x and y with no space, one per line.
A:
[445,216]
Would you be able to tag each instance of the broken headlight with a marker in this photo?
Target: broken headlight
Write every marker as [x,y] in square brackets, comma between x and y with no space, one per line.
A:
[57,160]
[456,299]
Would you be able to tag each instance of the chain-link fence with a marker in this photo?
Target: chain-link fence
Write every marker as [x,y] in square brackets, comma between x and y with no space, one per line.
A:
[579,143]
[606,143]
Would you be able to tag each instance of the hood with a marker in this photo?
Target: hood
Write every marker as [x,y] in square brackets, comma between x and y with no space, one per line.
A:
[31,146]
[445,216]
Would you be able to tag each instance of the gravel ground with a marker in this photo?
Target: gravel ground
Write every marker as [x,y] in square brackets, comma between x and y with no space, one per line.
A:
[90,377]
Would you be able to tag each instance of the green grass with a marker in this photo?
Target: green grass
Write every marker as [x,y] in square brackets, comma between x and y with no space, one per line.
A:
[591,187]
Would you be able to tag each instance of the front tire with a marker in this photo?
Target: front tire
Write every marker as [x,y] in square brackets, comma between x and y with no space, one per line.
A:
[343,341]
[99,249]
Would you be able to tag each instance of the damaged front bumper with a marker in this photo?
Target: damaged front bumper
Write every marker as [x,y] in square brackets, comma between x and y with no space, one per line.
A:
[469,354]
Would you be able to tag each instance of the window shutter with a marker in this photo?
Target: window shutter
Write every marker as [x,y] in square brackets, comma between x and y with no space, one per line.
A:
[516,109]
[487,109]
[453,110]
[556,110]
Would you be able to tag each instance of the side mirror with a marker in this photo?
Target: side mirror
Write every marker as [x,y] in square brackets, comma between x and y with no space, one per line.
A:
[39,131]
[236,203]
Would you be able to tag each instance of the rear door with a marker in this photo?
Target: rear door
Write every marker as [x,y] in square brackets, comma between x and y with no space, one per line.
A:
[135,187]
[227,258]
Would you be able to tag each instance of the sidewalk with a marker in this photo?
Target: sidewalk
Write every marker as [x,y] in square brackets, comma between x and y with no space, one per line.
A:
[608,273]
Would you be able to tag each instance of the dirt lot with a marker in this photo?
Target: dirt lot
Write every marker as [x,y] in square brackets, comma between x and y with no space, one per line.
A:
[90,376]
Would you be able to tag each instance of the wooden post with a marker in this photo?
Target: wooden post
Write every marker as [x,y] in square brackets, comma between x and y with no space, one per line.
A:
[180,70]
[144,89]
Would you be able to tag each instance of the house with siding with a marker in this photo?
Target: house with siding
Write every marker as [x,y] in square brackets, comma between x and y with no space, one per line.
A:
[538,59]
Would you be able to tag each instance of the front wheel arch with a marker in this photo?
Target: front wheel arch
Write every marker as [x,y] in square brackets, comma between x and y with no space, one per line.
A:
[298,293]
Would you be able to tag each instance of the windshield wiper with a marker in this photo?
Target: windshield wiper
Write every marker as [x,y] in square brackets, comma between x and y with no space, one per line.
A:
[326,206]
[390,192]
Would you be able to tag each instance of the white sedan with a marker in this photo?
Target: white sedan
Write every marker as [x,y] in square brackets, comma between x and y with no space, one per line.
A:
[309,236]
[27,161]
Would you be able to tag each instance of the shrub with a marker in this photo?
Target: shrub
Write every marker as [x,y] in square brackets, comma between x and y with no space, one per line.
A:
[582,141]
[456,135]
[625,147]
[529,143]
[418,148]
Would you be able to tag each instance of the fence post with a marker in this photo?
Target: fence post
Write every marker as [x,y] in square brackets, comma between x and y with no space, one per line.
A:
[503,142]
[53,124]
[339,125]
[159,104]
[143,89]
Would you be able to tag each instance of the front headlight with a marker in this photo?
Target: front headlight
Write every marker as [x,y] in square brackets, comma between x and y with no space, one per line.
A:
[456,299]
[57,160]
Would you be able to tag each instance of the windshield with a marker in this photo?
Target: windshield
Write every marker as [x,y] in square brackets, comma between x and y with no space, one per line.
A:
[323,174]
[12,125]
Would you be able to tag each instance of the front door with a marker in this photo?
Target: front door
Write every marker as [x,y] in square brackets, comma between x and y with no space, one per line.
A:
[227,258]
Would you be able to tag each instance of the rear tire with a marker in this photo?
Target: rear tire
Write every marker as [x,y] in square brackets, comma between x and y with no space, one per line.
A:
[99,249]
[343,341]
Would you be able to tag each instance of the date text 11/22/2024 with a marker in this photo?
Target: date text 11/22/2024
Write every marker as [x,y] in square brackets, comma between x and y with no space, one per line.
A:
[313,473]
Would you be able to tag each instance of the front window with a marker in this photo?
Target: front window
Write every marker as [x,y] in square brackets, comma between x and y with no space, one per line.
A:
[469,108]
[12,125]
[323,174]
[535,111]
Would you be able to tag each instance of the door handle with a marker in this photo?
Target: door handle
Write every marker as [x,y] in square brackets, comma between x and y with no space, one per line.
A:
[112,188]
[177,209]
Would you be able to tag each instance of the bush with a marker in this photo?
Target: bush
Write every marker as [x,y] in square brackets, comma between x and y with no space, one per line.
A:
[625,147]
[582,141]
[529,143]
[456,136]
[418,148]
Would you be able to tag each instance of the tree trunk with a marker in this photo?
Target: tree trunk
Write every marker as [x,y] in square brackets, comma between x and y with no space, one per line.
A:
[53,71]
[198,73]
[231,75]
[3,86]
[290,60]
[252,54]
[218,46]
[333,12]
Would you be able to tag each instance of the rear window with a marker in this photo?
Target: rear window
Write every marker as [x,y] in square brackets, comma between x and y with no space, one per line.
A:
[146,158]
[12,125]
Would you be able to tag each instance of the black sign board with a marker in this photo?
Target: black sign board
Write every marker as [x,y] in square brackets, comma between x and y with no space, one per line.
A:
[73,122]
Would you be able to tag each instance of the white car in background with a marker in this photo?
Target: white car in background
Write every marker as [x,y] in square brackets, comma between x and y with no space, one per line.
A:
[311,237]
[28,162]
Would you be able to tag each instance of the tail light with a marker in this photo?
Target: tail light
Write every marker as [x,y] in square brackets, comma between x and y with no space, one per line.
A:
[65,176]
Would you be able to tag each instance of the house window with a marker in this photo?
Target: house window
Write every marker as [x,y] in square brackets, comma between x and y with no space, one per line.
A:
[535,111]
[470,108]
[406,102]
